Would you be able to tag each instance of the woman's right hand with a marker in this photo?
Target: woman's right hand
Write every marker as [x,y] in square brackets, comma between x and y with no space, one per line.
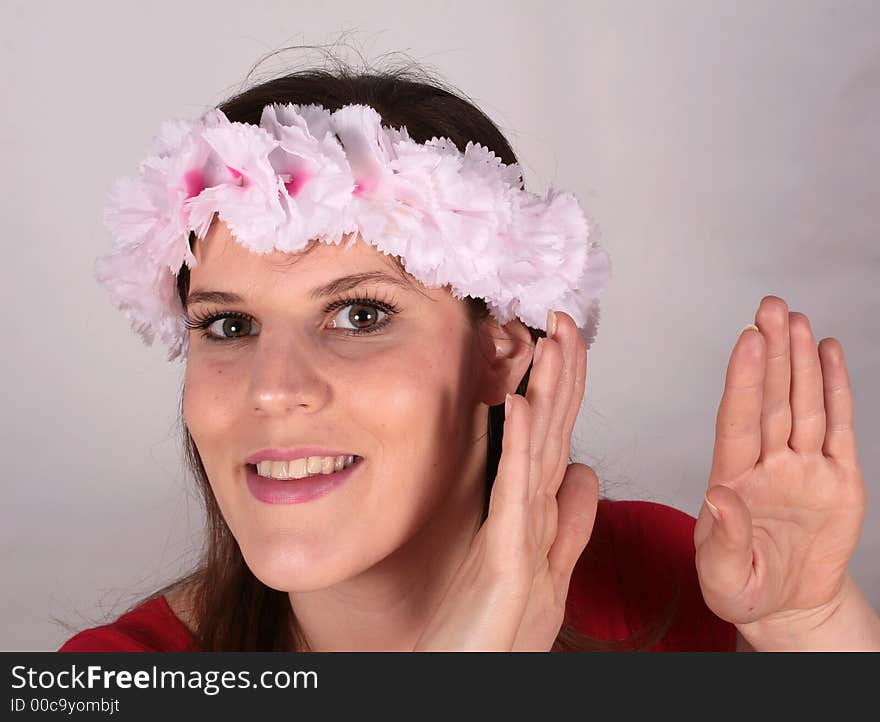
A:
[509,592]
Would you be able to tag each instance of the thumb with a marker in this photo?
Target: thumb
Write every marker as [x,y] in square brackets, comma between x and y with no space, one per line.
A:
[577,500]
[723,542]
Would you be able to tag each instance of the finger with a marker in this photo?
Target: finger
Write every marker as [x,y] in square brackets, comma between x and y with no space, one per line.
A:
[542,398]
[580,381]
[772,320]
[575,402]
[738,426]
[509,502]
[574,406]
[564,343]
[577,501]
[840,439]
[723,543]
[807,395]
[560,450]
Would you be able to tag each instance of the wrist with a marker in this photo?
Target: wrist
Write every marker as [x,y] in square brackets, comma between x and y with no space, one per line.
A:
[848,623]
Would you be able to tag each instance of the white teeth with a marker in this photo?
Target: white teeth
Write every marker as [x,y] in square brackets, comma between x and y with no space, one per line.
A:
[307,466]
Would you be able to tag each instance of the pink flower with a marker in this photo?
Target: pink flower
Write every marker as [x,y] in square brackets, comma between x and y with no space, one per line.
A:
[457,219]
[243,187]
[146,293]
[315,181]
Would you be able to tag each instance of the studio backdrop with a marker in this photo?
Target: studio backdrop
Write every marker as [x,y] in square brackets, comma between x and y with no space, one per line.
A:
[726,150]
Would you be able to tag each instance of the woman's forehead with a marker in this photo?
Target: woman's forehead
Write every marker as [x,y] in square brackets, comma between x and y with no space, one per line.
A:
[319,270]
[220,251]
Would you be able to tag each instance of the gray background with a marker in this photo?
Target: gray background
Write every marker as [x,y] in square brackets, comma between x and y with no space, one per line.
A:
[727,150]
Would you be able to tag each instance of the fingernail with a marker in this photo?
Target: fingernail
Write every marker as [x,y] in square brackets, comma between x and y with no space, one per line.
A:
[751,325]
[551,323]
[538,348]
[713,510]
[506,405]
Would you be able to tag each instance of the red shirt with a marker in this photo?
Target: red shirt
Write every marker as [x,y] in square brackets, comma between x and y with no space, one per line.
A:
[639,557]
[639,554]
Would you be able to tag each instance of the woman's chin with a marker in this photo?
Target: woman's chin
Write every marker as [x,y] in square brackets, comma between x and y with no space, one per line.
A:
[286,570]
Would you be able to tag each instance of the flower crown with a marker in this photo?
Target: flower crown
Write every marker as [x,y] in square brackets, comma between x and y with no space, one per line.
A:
[454,218]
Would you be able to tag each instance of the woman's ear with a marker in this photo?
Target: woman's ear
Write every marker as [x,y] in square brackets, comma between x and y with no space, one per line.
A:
[507,352]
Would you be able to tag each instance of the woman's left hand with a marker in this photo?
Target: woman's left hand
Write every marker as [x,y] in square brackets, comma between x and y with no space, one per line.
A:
[785,481]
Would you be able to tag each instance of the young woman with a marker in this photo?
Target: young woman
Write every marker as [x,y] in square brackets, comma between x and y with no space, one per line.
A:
[409,509]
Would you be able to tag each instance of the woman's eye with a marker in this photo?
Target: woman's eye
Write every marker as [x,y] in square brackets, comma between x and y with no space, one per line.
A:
[362,317]
[354,318]
[229,327]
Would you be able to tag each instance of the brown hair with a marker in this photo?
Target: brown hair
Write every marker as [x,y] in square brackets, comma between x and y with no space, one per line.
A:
[232,609]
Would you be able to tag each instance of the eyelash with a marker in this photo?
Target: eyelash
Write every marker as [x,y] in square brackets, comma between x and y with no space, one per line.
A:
[197,322]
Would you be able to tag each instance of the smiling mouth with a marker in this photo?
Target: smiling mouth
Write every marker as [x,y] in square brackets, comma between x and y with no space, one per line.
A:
[356,460]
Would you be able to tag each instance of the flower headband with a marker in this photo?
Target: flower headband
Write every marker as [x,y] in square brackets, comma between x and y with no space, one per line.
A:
[456,218]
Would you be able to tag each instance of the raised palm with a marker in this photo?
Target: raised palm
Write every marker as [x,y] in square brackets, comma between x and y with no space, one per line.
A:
[785,477]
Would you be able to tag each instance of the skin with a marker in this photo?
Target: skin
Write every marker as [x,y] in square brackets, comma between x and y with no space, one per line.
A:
[782,516]
[362,565]
[786,496]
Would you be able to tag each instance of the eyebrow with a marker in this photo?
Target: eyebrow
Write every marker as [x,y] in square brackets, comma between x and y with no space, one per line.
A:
[337,285]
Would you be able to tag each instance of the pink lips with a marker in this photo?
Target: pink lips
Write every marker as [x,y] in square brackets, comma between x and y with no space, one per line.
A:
[297,491]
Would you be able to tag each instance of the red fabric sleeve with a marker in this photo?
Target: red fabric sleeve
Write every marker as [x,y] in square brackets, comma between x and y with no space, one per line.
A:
[151,627]
[638,568]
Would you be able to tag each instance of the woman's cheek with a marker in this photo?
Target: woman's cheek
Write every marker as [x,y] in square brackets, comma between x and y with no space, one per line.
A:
[206,398]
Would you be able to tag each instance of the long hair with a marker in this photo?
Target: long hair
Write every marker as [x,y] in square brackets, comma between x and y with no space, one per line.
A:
[231,609]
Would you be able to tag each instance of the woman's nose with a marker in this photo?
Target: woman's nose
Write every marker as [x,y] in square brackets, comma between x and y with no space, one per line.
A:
[286,374]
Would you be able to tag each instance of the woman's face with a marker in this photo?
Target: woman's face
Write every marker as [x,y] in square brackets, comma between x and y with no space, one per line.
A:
[408,398]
